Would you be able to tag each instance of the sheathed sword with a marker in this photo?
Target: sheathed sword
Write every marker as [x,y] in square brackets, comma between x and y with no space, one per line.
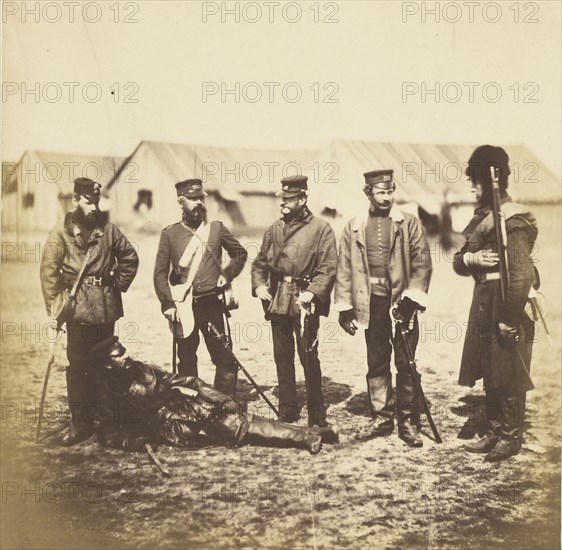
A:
[46,380]
[416,378]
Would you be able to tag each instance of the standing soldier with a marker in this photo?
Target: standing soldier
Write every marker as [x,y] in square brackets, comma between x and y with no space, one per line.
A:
[188,278]
[383,259]
[295,269]
[111,263]
[499,339]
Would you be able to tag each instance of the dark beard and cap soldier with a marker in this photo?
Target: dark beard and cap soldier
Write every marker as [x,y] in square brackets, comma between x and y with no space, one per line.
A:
[110,270]
[499,339]
[384,260]
[144,404]
[188,275]
[295,270]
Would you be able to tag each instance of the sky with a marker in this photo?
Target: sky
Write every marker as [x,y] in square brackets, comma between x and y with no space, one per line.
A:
[280,74]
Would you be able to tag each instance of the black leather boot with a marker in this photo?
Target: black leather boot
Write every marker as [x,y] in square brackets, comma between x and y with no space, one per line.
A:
[272,433]
[382,408]
[328,433]
[82,412]
[408,410]
[509,443]
[225,382]
[486,443]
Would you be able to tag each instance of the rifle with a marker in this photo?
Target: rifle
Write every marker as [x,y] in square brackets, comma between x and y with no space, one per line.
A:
[46,380]
[214,331]
[416,378]
[501,233]
[501,239]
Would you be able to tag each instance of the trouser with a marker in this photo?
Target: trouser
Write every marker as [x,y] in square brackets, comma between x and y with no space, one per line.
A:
[380,342]
[208,309]
[285,330]
[83,372]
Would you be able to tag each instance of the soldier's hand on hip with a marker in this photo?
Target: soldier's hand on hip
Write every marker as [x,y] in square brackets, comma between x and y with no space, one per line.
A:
[348,321]
[171,314]
[482,258]
[262,293]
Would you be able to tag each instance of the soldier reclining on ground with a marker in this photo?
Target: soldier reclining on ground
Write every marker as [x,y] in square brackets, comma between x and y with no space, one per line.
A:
[145,404]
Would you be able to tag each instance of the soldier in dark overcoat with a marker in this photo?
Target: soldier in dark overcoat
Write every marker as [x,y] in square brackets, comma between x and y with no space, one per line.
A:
[111,266]
[295,269]
[500,334]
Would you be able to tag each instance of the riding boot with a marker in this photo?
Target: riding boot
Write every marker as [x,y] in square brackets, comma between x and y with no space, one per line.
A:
[328,433]
[81,425]
[272,433]
[225,382]
[382,408]
[509,442]
[408,410]
[492,415]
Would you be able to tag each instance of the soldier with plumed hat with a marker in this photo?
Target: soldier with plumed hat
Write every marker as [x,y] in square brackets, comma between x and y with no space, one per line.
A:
[294,273]
[189,278]
[384,261]
[499,340]
[83,241]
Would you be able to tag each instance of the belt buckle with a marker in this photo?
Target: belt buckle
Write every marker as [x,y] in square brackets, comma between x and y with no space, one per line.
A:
[96,280]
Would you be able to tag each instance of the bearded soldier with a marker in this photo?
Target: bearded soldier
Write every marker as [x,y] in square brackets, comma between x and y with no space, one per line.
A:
[145,404]
[499,339]
[188,277]
[294,270]
[110,264]
[384,259]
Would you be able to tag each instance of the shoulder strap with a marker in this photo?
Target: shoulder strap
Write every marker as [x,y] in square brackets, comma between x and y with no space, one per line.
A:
[80,274]
[210,252]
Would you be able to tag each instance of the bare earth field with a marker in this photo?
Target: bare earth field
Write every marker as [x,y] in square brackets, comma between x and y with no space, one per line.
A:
[378,494]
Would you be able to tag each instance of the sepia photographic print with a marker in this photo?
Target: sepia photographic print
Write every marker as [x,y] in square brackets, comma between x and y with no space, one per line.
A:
[281,274]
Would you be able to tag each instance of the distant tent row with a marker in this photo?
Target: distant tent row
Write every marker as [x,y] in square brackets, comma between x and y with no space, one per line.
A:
[140,192]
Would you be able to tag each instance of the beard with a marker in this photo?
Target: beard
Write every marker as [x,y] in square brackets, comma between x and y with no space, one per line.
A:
[193,218]
[89,221]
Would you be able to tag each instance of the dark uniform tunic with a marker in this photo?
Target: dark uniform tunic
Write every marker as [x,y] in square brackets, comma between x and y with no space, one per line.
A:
[111,269]
[207,307]
[483,354]
[296,256]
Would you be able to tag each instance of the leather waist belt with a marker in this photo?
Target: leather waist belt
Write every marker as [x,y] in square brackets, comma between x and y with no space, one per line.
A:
[298,280]
[204,296]
[485,277]
[378,280]
[99,281]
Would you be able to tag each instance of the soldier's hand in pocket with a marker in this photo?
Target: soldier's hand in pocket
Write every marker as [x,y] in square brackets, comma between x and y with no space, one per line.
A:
[348,321]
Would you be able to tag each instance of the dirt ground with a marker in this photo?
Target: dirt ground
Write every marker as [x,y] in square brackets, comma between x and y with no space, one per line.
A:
[378,494]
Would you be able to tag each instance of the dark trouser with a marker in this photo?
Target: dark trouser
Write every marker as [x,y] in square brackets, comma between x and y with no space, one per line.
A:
[83,372]
[284,329]
[380,342]
[208,309]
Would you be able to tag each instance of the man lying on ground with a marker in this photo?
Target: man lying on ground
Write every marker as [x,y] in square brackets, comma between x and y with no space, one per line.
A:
[145,404]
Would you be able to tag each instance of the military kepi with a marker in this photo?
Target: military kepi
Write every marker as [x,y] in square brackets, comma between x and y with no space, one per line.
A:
[380,178]
[87,188]
[192,189]
[293,186]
